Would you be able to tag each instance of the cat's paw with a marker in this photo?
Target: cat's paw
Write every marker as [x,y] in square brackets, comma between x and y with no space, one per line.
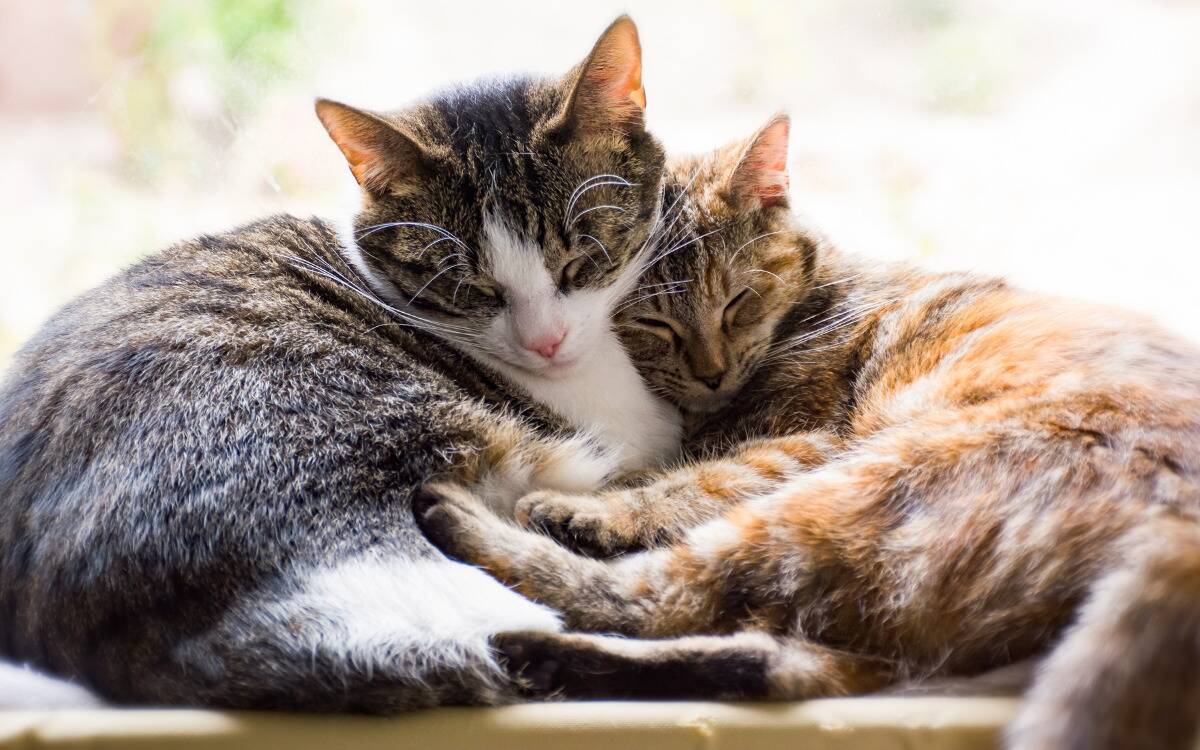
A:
[547,665]
[451,518]
[584,523]
[529,659]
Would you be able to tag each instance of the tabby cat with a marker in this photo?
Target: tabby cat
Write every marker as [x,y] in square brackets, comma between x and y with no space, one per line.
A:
[206,463]
[941,474]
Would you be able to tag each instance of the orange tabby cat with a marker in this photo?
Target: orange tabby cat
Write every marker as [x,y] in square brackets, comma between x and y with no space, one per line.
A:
[943,475]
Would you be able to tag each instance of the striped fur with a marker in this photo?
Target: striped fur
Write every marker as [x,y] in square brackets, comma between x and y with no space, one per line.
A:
[206,463]
[942,475]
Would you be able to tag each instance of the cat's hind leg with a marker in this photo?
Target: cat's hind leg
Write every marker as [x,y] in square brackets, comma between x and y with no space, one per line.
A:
[744,666]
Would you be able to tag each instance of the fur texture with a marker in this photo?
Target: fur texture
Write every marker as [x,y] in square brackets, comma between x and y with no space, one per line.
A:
[206,464]
[946,475]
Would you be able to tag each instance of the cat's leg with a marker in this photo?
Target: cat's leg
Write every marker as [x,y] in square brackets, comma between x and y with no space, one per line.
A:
[715,578]
[660,509]
[746,666]
[375,634]
[511,459]
[894,536]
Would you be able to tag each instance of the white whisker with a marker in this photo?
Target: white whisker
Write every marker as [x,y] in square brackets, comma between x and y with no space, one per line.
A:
[598,242]
[662,293]
[749,242]
[434,278]
[594,208]
[760,270]
[833,323]
[322,268]
[580,191]
[682,245]
[835,281]
[665,283]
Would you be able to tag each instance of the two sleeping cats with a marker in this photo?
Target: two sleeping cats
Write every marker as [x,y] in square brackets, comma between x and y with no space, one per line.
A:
[211,466]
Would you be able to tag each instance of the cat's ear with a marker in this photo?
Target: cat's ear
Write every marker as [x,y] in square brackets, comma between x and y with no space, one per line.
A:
[379,154]
[760,177]
[605,91]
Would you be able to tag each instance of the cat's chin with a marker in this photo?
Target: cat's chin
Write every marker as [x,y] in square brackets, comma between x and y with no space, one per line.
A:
[705,406]
[557,370]
[549,370]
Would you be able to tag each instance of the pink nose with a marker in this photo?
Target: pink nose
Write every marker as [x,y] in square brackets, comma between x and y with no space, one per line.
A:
[547,345]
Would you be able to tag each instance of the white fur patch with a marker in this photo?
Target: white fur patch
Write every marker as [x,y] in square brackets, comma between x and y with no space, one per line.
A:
[575,464]
[414,615]
[514,262]
[606,396]
[23,688]
[714,539]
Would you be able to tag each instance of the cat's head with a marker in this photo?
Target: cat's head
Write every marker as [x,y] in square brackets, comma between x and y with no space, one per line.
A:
[708,305]
[509,217]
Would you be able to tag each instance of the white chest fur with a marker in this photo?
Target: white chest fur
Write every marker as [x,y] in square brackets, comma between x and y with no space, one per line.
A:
[606,397]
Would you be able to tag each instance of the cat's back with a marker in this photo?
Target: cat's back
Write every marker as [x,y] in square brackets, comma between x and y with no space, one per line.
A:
[235,353]
[228,295]
[220,411]
[965,339]
[968,353]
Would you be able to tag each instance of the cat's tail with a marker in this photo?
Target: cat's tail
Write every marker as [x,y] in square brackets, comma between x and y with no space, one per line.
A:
[1127,674]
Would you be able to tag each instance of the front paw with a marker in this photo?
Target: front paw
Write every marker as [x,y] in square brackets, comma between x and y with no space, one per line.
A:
[583,523]
[450,518]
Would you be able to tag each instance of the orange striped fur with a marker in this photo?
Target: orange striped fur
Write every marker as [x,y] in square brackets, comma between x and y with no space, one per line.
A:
[939,475]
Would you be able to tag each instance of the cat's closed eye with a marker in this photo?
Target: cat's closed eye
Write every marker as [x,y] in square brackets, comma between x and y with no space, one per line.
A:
[660,328]
[729,318]
[571,270]
[491,295]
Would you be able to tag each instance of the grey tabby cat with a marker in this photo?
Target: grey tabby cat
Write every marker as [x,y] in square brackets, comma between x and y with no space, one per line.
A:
[206,463]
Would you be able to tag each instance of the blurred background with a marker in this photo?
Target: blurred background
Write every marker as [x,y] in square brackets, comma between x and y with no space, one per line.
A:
[1055,142]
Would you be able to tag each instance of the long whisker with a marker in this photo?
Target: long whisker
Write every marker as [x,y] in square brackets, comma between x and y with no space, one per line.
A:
[580,191]
[682,245]
[434,278]
[835,281]
[661,293]
[594,208]
[760,270]
[431,244]
[750,242]
[830,325]
[445,233]
[322,268]
[660,229]
[598,242]
[665,283]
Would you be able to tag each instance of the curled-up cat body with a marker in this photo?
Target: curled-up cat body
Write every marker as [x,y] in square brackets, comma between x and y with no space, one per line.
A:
[903,475]
[206,463]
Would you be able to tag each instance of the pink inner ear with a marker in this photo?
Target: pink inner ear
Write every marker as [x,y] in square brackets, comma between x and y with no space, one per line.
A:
[763,171]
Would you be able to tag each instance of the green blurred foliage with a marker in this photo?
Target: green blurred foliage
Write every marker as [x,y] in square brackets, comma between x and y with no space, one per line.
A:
[186,73]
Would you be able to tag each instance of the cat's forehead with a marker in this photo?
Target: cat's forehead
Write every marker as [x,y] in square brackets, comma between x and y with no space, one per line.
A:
[492,137]
[487,120]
